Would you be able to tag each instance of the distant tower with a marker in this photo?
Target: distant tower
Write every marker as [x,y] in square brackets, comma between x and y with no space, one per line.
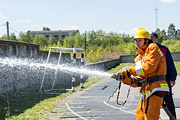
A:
[156,18]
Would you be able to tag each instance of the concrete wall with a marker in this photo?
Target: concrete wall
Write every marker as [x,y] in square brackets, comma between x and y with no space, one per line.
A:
[176,56]
[17,78]
[26,50]
[104,65]
[18,49]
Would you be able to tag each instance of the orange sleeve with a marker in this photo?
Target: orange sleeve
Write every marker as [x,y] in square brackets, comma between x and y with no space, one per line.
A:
[127,80]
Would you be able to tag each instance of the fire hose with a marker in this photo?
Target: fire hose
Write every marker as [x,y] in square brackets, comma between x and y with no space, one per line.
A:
[119,77]
[119,87]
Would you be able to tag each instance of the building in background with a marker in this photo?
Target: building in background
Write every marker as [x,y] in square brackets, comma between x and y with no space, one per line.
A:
[56,34]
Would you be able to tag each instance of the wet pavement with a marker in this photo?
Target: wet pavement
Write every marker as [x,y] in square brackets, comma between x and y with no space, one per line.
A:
[93,103]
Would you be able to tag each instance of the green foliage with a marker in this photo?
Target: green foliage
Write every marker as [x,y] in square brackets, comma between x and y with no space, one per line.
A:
[46,29]
[91,56]
[171,31]
[161,35]
[78,41]
[41,40]
[129,48]
[25,37]
[178,34]
[94,56]
[52,40]
[177,65]
[173,45]
[171,34]
[4,37]
[13,37]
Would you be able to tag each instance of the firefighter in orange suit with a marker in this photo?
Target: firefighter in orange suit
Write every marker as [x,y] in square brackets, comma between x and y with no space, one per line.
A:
[149,74]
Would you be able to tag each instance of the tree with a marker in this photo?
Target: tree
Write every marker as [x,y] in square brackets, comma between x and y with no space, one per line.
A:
[126,38]
[41,40]
[26,37]
[52,40]
[99,52]
[61,41]
[91,38]
[70,41]
[46,29]
[79,42]
[65,43]
[171,31]
[13,37]
[178,34]
[4,37]
[58,44]
[161,35]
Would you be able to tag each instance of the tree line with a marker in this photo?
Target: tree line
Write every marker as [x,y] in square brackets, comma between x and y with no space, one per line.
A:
[99,42]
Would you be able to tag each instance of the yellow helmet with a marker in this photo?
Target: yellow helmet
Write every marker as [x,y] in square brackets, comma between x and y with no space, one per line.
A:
[142,33]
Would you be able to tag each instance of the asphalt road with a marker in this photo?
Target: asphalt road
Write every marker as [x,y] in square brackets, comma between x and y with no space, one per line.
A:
[93,103]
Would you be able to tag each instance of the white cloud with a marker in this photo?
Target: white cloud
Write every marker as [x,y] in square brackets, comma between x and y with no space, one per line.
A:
[24,21]
[168,1]
[3,17]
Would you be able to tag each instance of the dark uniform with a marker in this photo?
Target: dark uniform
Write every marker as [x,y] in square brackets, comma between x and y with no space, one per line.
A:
[170,76]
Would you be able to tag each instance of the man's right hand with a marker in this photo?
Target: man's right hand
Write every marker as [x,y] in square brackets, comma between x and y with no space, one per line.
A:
[116,76]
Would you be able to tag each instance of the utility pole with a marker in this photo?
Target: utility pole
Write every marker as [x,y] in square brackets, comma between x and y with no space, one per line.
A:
[7,25]
[156,18]
[85,42]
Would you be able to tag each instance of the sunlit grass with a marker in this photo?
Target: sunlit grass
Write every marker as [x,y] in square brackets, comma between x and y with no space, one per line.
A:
[177,65]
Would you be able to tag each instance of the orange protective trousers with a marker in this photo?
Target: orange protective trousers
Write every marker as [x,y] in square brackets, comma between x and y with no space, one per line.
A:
[149,108]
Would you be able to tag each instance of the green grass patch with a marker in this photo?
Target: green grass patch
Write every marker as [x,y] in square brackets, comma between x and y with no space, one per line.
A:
[118,68]
[177,64]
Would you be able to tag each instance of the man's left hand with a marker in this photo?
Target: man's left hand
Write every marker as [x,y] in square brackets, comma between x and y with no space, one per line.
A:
[172,83]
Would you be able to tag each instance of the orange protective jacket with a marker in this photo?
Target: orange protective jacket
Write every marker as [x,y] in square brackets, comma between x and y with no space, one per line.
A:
[150,62]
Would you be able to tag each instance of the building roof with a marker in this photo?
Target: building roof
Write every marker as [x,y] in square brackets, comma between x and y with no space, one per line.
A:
[55,31]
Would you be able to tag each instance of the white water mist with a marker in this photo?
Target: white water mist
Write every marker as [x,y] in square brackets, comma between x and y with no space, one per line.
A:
[17,62]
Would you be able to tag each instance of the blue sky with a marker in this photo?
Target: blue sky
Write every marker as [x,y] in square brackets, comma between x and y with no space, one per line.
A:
[85,15]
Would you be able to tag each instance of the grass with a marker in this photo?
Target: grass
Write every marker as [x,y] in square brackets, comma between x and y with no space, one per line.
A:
[118,68]
[37,106]
[177,64]
[34,105]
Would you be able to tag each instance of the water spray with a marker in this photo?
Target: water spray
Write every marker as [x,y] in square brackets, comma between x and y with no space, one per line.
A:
[16,62]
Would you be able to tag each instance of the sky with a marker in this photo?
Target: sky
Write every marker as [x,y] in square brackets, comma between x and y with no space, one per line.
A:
[119,16]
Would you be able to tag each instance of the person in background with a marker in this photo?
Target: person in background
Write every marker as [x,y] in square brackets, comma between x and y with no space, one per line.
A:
[171,73]
[148,74]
